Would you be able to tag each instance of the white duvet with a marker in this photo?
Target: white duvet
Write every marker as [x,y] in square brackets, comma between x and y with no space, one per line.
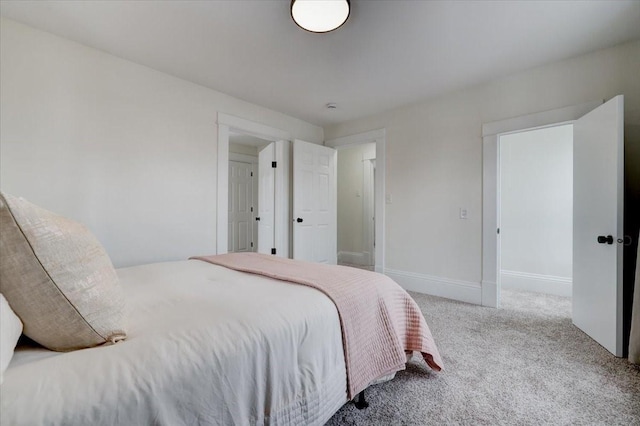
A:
[206,345]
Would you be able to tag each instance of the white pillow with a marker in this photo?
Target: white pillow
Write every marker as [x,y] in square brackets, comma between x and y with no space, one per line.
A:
[10,331]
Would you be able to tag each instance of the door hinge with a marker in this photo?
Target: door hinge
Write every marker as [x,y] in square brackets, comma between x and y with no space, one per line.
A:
[274,164]
[252,174]
[252,209]
[251,243]
[498,230]
[273,251]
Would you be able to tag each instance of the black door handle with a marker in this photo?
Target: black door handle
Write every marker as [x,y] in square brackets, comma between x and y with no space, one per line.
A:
[299,220]
[257,218]
[605,240]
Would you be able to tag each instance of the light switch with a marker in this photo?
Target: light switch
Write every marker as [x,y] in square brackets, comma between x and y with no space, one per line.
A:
[463,213]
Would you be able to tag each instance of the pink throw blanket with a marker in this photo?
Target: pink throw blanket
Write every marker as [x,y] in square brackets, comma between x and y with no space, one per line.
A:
[379,320]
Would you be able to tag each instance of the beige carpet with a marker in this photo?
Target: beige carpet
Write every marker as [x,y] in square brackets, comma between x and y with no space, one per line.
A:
[524,364]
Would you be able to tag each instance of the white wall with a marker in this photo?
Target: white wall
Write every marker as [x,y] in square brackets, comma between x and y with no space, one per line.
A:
[434,161]
[351,197]
[536,210]
[127,150]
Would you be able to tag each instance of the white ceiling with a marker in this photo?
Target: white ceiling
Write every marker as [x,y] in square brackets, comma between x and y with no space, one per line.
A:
[388,54]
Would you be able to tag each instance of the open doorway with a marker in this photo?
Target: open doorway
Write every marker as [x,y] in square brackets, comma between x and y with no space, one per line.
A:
[599,163]
[278,157]
[535,210]
[378,138]
[356,205]
[243,192]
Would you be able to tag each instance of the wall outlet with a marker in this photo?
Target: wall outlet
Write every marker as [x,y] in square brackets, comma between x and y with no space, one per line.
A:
[463,213]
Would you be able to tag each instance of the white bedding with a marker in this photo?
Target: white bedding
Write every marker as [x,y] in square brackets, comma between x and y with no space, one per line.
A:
[206,345]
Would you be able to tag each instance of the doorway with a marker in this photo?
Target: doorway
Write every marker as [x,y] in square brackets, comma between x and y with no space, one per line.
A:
[377,138]
[356,206]
[598,215]
[535,210]
[279,140]
[243,192]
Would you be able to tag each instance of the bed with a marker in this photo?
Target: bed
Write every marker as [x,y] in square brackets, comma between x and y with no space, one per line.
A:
[204,343]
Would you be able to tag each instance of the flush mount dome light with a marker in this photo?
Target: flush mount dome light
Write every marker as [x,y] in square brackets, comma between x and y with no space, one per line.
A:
[320,16]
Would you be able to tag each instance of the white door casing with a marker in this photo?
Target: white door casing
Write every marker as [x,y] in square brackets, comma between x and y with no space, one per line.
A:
[314,203]
[240,203]
[266,199]
[598,196]
[368,210]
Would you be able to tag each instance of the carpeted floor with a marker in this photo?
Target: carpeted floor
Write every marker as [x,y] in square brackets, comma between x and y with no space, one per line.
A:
[524,364]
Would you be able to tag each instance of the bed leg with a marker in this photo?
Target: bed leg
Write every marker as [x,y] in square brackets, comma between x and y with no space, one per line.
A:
[360,402]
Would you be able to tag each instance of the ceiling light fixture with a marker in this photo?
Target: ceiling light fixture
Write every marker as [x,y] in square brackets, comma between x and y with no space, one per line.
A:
[320,16]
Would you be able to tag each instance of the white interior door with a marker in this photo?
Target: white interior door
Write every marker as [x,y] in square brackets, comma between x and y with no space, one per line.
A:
[240,202]
[314,203]
[598,176]
[266,199]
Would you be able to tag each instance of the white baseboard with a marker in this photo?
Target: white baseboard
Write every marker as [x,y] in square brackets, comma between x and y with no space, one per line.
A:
[537,283]
[464,291]
[353,258]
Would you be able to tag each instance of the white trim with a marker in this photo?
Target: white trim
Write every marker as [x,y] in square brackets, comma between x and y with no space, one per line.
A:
[368,211]
[243,158]
[357,139]
[537,283]
[353,258]
[490,296]
[282,209]
[379,137]
[540,119]
[490,184]
[248,127]
[227,123]
[464,291]
[222,208]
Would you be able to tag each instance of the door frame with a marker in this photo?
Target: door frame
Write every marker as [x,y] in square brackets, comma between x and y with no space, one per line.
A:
[369,209]
[378,137]
[491,133]
[229,123]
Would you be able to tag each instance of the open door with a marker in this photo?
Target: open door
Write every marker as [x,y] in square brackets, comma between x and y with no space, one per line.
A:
[240,202]
[598,191]
[266,199]
[314,203]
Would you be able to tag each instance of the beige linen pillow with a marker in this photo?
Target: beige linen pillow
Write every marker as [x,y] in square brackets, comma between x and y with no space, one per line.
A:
[10,331]
[58,278]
